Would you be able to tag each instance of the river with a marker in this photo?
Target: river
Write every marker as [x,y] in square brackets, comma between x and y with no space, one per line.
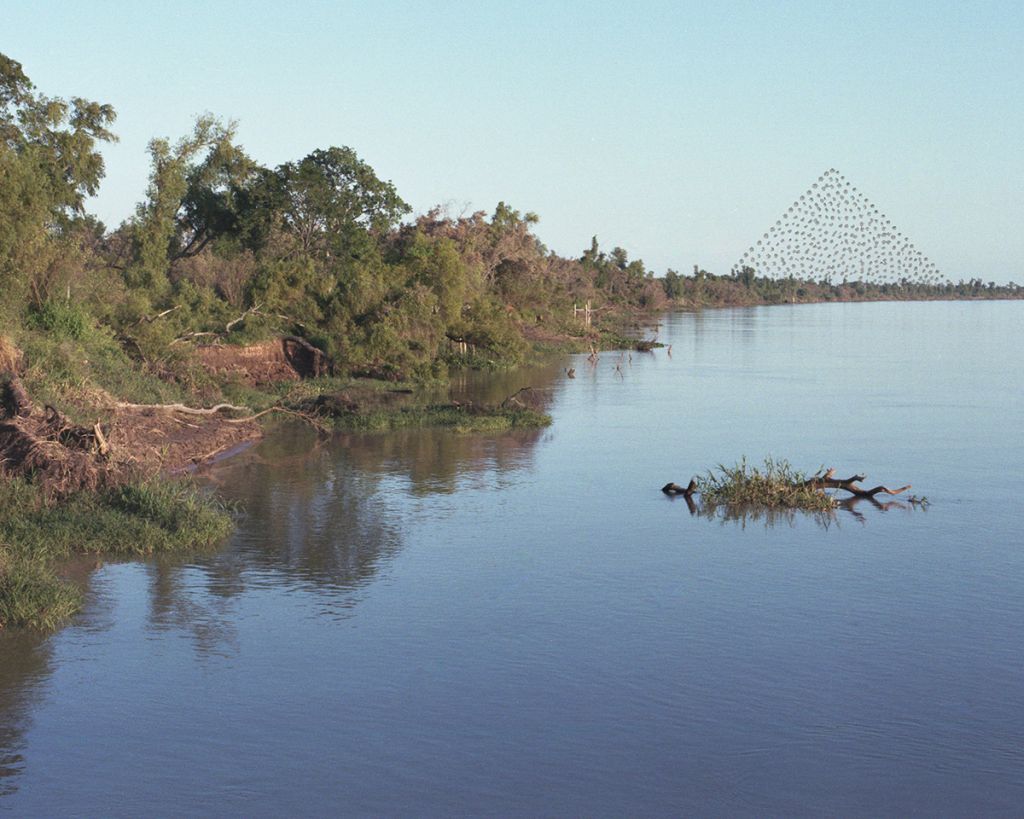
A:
[432,624]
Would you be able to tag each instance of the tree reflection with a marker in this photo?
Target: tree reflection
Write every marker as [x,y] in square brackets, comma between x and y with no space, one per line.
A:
[318,516]
[323,516]
[25,663]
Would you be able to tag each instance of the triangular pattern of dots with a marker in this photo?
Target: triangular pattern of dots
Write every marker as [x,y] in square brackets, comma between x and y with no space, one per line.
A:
[833,231]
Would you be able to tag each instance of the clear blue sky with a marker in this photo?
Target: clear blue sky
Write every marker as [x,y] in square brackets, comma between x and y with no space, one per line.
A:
[679,131]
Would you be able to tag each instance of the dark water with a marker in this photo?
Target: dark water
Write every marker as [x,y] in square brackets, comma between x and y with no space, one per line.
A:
[427,623]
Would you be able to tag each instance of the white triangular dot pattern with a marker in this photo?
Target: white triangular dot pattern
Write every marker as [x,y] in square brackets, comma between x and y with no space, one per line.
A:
[833,231]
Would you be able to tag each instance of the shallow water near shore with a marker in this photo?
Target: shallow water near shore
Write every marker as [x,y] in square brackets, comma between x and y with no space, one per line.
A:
[430,623]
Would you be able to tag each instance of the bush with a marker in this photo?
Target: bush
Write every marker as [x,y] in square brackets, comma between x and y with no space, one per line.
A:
[61,319]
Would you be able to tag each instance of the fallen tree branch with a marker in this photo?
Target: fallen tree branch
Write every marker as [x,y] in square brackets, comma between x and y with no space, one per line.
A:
[676,489]
[151,319]
[254,309]
[826,481]
[309,419]
[776,486]
[181,408]
[191,336]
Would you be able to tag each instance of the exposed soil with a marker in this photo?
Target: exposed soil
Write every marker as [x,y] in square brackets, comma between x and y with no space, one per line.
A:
[42,445]
[152,441]
[270,362]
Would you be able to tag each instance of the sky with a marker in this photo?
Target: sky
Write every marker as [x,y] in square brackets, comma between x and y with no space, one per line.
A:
[678,131]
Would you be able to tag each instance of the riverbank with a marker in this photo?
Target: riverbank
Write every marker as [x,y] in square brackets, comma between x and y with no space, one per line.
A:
[82,445]
[85,471]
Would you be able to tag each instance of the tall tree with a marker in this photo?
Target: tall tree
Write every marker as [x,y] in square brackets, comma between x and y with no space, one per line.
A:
[49,164]
[329,199]
[191,199]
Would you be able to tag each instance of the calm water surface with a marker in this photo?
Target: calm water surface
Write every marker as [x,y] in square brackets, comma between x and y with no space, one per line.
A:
[426,623]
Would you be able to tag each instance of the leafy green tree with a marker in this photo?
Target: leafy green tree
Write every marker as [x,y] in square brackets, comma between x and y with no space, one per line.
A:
[49,164]
[330,199]
[673,284]
[189,202]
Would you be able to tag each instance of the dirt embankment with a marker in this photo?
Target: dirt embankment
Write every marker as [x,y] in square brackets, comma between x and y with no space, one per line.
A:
[41,444]
[132,440]
[270,362]
[126,441]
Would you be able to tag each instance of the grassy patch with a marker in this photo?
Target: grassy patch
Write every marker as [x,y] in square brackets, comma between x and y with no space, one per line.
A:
[80,372]
[775,485]
[136,519]
[32,595]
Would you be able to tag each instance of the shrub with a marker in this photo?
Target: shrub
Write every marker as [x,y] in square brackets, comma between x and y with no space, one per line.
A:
[61,319]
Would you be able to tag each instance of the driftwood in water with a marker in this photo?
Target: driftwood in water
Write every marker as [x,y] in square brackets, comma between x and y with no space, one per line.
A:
[827,481]
[676,489]
[819,482]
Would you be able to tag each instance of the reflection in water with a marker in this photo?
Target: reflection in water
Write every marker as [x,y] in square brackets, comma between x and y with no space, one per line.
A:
[315,518]
[743,514]
[316,512]
[175,606]
[383,619]
[26,663]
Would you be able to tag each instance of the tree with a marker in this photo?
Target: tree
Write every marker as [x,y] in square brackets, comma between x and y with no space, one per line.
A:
[330,199]
[49,163]
[673,284]
[189,202]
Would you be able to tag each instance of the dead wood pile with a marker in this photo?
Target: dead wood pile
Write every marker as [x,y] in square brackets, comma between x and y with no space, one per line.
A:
[43,446]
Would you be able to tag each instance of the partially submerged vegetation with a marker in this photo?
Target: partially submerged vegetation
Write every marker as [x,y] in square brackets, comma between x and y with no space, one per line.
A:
[776,485]
[459,417]
[135,519]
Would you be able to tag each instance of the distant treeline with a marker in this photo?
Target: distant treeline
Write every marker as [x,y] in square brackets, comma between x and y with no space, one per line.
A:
[704,289]
[320,247]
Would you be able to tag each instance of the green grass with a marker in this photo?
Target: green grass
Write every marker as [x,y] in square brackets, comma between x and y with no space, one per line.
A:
[75,373]
[141,519]
[32,595]
[775,485]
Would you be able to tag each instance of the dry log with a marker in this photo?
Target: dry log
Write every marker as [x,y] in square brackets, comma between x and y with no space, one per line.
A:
[309,419]
[151,319]
[254,309]
[191,336]
[826,481]
[102,445]
[181,408]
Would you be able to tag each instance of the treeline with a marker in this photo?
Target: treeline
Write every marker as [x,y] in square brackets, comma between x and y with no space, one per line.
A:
[319,247]
[745,287]
[224,248]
